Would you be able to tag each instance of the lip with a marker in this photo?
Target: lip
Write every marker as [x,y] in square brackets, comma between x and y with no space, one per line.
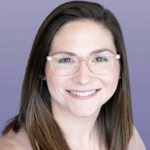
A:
[83,97]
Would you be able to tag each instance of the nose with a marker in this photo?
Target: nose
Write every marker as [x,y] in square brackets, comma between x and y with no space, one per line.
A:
[84,75]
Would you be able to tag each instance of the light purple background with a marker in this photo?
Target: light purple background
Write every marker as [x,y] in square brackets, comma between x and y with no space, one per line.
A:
[19,22]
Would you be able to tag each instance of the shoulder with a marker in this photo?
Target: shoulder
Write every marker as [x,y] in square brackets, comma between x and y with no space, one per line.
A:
[15,141]
[136,141]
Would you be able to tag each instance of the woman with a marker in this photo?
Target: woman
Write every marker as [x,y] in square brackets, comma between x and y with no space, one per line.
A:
[76,92]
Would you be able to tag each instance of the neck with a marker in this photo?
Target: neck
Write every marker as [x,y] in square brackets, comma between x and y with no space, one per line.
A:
[79,131]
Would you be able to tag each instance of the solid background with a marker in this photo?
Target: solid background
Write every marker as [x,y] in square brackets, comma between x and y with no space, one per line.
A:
[19,22]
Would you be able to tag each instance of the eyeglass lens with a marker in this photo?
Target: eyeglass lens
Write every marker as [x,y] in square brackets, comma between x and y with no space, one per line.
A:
[101,63]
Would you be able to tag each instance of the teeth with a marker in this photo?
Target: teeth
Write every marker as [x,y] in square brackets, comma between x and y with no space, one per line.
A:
[83,93]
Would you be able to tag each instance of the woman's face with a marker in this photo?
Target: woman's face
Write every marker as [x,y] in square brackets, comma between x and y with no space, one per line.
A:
[81,38]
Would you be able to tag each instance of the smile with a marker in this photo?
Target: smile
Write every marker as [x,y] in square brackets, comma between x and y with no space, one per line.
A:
[82,94]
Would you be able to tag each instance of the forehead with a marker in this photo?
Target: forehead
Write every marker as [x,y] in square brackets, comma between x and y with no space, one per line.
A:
[82,37]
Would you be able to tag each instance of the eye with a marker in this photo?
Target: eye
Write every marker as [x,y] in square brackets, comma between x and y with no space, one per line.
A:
[99,59]
[64,60]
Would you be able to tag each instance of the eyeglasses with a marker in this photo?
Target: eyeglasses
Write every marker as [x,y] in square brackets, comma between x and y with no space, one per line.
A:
[100,63]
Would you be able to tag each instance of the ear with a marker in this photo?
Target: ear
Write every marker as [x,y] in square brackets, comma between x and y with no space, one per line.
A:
[44,78]
[40,77]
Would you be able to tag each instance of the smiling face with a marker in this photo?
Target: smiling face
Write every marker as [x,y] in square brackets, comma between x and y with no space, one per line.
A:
[81,38]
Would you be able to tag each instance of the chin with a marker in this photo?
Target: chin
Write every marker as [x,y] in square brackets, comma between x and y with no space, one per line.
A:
[85,112]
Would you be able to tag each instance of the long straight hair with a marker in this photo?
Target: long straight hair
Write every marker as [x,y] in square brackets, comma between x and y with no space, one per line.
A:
[115,118]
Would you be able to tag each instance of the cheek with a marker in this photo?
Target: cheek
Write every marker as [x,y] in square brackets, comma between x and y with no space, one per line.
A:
[113,77]
[110,81]
[54,82]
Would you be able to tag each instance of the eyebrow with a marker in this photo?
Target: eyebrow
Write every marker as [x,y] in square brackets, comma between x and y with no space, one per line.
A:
[99,51]
[92,53]
[65,52]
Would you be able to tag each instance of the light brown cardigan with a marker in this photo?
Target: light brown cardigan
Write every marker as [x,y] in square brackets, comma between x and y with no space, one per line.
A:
[20,141]
[13,141]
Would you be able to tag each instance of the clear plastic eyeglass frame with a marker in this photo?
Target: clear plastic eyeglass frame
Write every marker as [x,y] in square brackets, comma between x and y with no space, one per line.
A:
[80,59]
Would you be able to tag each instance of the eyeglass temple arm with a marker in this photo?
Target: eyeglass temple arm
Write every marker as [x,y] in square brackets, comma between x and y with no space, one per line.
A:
[49,58]
[118,56]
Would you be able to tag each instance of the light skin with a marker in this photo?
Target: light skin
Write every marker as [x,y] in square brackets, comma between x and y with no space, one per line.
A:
[77,117]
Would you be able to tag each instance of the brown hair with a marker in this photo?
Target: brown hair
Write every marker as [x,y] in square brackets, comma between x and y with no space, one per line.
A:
[115,117]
